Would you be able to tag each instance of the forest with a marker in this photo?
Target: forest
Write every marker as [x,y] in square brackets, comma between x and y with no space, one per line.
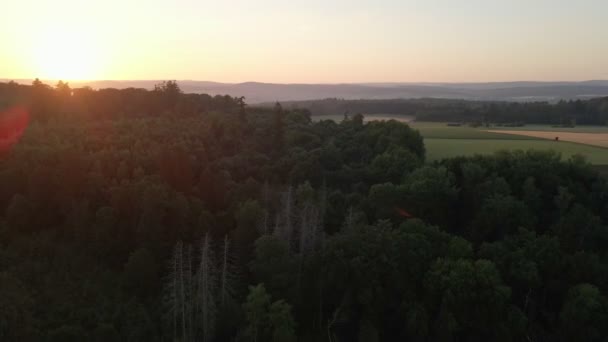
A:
[572,112]
[154,215]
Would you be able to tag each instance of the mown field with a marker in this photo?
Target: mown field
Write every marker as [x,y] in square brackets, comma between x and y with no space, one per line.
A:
[593,139]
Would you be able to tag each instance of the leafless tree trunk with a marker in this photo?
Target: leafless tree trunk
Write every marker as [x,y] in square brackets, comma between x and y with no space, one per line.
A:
[287,216]
[188,295]
[206,289]
[266,202]
[304,229]
[330,324]
[349,221]
[172,299]
[227,276]
[182,289]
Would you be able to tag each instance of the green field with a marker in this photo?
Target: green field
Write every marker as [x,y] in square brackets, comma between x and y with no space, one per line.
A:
[440,130]
[445,148]
[442,141]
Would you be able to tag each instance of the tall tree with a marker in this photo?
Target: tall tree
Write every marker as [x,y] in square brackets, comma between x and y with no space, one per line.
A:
[256,310]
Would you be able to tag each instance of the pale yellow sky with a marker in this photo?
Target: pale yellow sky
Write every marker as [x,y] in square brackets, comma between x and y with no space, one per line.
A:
[310,41]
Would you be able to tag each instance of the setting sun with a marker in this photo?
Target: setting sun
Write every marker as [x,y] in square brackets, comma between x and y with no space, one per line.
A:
[66,54]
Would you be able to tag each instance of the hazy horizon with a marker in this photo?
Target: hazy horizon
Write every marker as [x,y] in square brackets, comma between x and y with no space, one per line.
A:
[306,42]
[85,81]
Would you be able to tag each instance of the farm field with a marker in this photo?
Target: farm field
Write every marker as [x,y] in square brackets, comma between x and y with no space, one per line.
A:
[446,148]
[594,139]
[550,128]
[442,141]
[440,130]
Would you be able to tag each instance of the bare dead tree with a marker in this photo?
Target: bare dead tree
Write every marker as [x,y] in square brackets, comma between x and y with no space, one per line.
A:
[206,289]
[288,217]
[266,203]
[322,202]
[330,324]
[172,285]
[182,290]
[303,229]
[349,221]
[175,294]
[189,293]
[227,275]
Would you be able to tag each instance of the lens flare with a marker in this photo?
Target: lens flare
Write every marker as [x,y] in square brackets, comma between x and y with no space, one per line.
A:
[13,123]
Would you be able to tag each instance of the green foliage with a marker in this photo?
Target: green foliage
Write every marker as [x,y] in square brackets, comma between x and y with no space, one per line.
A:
[429,191]
[471,292]
[268,321]
[584,314]
[499,216]
[140,273]
[282,323]
[67,334]
[17,310]
[272,265]
[256,311]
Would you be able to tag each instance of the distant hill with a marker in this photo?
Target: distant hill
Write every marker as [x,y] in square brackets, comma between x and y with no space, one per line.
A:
[256,92]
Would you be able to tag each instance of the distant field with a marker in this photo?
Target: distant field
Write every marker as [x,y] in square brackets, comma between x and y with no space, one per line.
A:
[445,148]
[443,141]
[367,117]
[440,130]
[577,129]
[594,139]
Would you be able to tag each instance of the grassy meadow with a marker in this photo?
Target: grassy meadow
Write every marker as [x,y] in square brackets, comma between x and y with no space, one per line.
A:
[442,141]
[446,148]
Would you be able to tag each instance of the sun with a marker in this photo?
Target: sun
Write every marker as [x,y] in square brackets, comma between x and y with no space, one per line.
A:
[66,54]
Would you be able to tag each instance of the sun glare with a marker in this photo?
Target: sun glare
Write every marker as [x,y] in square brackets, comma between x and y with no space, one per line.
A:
[66,55]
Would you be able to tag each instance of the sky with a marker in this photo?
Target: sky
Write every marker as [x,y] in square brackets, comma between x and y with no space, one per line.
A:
[313,41]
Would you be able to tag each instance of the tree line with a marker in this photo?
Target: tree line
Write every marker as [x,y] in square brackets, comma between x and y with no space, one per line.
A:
[572,112]
[50,102]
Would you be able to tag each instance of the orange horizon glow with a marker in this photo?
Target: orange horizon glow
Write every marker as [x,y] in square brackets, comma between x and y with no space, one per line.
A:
[312,41]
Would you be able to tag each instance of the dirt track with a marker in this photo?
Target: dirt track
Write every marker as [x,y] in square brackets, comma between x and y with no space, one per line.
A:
[595,139]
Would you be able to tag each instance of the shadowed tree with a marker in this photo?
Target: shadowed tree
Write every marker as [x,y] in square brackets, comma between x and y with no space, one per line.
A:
[282,322]
[256,311]
[584,315]
[140,273]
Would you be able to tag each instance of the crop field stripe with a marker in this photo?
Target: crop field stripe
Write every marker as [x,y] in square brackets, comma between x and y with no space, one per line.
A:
[592,139]
[438,149]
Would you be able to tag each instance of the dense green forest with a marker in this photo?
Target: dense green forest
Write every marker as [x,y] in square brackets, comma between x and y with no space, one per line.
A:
[134,215]
[587,112]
